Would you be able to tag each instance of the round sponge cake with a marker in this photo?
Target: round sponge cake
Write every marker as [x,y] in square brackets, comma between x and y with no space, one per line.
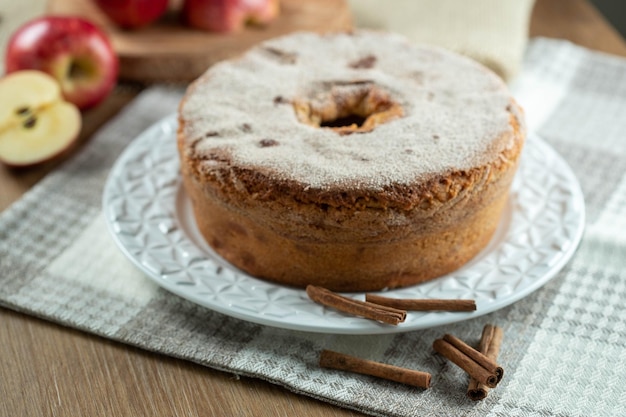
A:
[353,161]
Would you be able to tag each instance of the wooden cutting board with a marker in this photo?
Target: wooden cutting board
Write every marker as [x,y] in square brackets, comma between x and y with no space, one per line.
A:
[168,51]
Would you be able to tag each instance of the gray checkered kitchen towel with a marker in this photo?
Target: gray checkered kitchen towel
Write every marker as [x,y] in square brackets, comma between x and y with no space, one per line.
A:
[564,349]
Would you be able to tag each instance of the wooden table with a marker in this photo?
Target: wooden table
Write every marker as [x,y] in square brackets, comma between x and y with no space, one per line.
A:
[46,369]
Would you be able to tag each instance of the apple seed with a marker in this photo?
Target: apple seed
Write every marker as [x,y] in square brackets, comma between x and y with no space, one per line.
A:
[30,122]
[22,111]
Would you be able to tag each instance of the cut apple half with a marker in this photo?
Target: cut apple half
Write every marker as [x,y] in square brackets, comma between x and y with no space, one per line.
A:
[36,124]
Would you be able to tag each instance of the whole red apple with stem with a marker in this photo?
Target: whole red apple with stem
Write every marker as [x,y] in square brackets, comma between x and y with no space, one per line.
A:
[132,14]
[72,50]
[228,15]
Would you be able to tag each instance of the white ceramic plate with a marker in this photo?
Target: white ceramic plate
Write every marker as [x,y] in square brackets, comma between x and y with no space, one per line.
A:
[150,218]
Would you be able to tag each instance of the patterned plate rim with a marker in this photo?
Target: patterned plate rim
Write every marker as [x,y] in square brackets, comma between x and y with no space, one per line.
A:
[149,216]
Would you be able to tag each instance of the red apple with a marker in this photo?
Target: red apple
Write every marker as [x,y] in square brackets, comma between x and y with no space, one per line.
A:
[262,12]
[131,14]
[36,124]
[229,15]
[71,49]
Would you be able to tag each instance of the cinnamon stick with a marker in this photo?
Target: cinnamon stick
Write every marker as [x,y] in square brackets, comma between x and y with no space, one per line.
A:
[489,344]
[340,361]
[419,304]
[477,365]
[348,305]
[484,361]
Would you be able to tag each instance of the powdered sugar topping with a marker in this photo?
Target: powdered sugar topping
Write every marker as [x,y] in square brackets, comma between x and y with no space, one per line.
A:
[455,111]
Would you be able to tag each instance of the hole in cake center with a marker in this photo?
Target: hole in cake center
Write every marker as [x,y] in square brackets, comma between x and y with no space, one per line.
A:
[347,107]
[350,120]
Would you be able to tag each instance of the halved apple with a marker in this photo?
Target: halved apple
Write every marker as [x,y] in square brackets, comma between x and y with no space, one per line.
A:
[36,124]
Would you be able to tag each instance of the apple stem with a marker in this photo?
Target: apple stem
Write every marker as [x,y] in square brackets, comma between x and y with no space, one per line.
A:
[77,70]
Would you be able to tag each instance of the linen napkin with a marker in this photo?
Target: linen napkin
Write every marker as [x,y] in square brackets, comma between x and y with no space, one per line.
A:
[564,347]
[493,32]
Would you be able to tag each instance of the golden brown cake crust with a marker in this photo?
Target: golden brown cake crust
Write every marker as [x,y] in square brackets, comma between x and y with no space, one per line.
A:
[347,234]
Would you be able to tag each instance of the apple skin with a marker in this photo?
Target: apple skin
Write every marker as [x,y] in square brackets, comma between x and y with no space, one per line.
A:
[71,49]
[262,12]
[133,14]
[228,15]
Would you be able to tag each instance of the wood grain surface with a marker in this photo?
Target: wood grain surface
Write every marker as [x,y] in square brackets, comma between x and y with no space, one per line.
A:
[169,51]
[50,370]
